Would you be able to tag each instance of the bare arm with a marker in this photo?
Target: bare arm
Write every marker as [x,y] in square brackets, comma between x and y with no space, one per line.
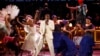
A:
[74,8]
[91,30]
[72,15]
[73,29]
[20,22]
[7,23]
[79,28]
[36,14]
[64,30]
[86,9]
[30,22]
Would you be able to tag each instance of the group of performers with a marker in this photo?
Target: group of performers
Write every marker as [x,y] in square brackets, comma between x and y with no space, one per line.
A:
[57,35]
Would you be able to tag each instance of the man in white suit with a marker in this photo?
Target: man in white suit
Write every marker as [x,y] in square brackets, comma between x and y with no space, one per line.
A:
[46,30]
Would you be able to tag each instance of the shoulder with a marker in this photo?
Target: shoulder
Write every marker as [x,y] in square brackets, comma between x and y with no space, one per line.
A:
[50,20]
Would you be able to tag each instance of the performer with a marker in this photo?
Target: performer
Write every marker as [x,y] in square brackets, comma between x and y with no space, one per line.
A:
[67,45]
[78,33]
[81,11]
[7,14]
[46,30]
[29,44]
[10,26]
[37,16]
[87,41]
[67,28]
[56,34]
[38,37]
[7,23]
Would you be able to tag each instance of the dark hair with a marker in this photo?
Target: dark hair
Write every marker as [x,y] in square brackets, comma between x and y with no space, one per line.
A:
[88,17]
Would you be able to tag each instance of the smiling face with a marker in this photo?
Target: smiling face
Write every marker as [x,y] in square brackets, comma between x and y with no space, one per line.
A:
[88,21]
[55,18]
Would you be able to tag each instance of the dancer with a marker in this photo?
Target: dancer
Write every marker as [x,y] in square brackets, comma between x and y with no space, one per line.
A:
[67,45]
[56,34]
[87,41]
[81,11]
[78,33]
[46,30]
[7,14]
[29,43]
[38,37]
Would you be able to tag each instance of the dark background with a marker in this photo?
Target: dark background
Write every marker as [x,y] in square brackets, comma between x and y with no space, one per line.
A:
[57,6]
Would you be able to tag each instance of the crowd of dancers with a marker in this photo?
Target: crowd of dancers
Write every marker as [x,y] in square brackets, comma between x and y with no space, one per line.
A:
[60,36]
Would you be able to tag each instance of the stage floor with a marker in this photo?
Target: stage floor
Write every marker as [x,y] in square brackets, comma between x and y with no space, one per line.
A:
[95,53]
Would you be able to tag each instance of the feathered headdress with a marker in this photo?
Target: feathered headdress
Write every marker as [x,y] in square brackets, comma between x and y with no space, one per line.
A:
[13,10]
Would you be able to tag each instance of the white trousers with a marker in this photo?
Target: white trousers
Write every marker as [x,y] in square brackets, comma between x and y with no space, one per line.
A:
[50,45]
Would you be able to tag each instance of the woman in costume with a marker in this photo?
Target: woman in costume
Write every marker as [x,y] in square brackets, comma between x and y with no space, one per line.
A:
[8,24]
[68,46]
[78,33]
[6,15]
[87,41]
[32,37]
[56,34]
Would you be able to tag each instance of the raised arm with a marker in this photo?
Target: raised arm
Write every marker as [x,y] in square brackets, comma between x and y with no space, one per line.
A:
[74,8]
[7,21]
[36,14]
[20,22]
[86,9]
[72,15]
[91,30]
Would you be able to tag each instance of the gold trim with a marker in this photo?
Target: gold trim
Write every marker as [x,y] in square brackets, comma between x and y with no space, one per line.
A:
[97,43]
[95,39]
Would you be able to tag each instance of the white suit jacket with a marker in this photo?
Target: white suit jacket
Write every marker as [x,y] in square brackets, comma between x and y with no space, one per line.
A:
[49,29]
